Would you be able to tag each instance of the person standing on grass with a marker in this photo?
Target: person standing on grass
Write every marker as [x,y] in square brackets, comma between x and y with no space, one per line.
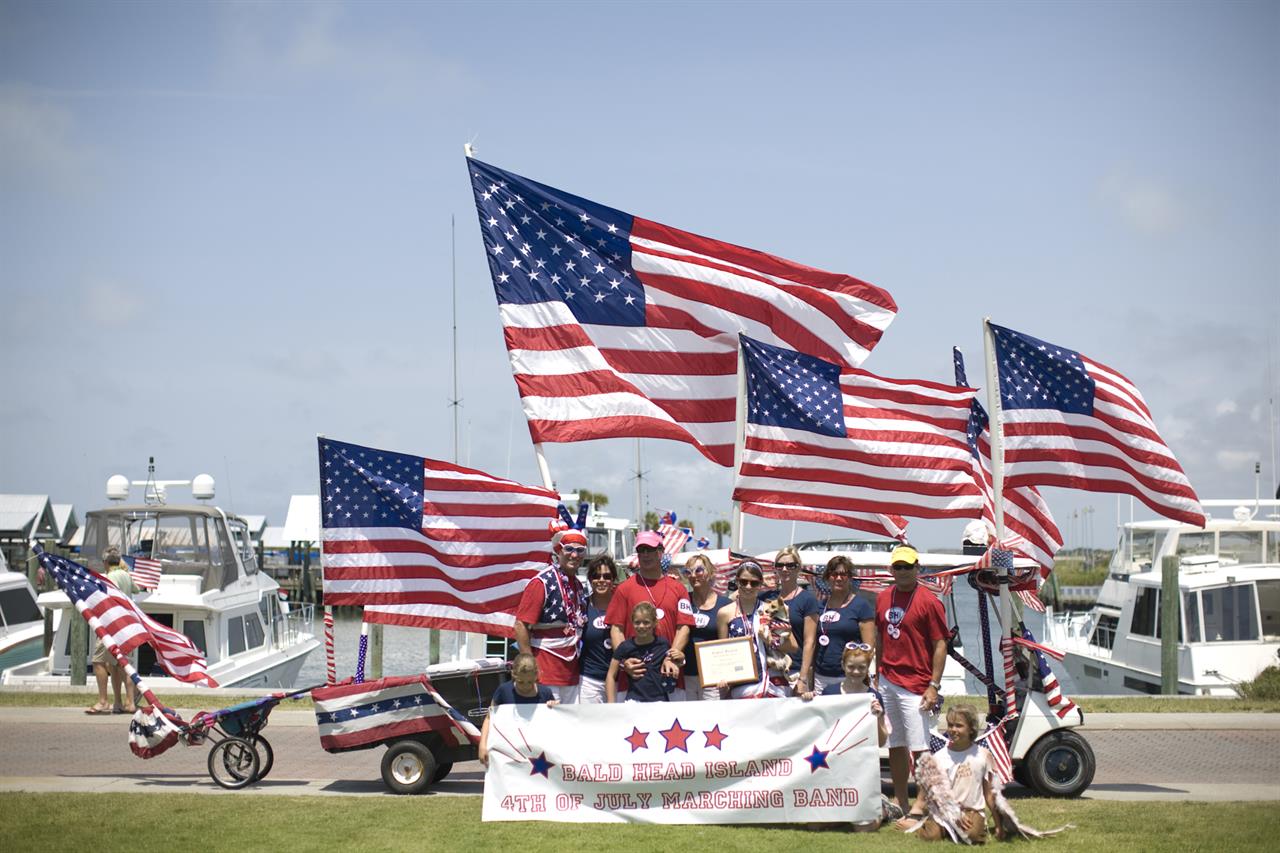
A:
[552,613]
[700,572]
[522,689]
[597,645]
[670,602]
[643,645]
[844,619]
[911,650]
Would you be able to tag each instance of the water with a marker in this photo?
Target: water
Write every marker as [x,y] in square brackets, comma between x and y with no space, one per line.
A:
[404,650]
[966,602]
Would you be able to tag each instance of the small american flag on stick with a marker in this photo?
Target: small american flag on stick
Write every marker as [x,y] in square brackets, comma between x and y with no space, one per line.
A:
[145,571]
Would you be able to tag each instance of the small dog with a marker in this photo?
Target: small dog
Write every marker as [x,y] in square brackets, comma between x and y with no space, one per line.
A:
[775,627]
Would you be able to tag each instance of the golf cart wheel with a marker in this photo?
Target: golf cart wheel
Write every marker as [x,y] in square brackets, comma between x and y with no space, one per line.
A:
[266,756]
[408,767]
[442,771]
[1020,775]
[1060,764]
[233,763]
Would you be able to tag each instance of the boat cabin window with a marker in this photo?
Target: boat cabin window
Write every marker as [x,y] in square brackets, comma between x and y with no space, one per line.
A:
[1191,612]
[184,543]
[1104,633]
[1273,546]
[253,631]
[1136,551]
[194,629]
[1195,544]
[1146,614]
[1229,614]
[235,635]
[17,606]
[1269,607]
[243,543]
[1243,546]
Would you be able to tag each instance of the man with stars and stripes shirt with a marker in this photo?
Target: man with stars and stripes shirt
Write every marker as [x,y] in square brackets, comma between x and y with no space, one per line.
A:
[552,614]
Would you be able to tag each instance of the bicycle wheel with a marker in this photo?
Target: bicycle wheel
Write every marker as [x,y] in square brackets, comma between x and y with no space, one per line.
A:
[233,763]
[266,756]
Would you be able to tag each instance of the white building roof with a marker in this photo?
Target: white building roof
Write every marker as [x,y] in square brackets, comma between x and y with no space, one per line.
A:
[302,524]
[28,516]
[64,516]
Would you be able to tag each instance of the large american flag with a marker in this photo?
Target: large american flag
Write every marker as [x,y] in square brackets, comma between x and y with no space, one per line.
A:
[1029,526]
[121,624]
[842,446]
[617,326]
[1072,422]
[429,544]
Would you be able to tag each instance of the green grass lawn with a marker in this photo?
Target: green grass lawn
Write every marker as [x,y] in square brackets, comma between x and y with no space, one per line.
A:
[109,822]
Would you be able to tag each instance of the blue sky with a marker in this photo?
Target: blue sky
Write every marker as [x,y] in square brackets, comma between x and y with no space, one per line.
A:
[226,227]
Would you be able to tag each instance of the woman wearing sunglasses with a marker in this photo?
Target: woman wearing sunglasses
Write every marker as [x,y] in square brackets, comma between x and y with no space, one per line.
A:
[804,608]
[700,573]
[845,619]
[597,648]
[742,618]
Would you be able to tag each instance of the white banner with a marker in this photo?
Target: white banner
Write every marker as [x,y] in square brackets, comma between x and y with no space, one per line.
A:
[742,761]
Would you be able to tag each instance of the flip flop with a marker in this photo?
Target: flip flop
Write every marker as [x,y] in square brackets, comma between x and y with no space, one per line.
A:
[119,710]
[95,710]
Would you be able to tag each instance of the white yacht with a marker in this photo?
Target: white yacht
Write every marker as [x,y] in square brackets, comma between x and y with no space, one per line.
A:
[210,589]
[1229,618]
[21,621]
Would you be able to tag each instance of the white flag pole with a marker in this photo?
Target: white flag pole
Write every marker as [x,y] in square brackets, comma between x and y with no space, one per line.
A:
[739,439]
[996,415]
[543,469]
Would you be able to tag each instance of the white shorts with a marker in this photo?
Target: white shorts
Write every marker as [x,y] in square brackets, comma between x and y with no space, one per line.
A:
[566,693]
[695,691]
[590,691]
[908,725]
[820,681]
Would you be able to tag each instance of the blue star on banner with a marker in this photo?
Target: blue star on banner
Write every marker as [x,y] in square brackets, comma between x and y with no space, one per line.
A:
[792,390]
[817,759]
[541,766]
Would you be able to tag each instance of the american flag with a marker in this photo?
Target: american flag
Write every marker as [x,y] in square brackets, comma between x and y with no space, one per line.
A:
[673,537]
[842,446]
[1053,694]
[991,740]
[145,571]
[121,625]
[873,580]
[1025,590]
[350,715]
[617,326]
[1072,422]
[1029,526]
[428,544]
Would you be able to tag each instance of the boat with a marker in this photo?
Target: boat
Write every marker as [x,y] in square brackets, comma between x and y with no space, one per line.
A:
[21,620]
[210,589]
[1229,614]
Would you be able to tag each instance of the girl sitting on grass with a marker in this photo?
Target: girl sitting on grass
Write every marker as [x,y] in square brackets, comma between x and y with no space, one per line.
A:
[522,689]
[648,647]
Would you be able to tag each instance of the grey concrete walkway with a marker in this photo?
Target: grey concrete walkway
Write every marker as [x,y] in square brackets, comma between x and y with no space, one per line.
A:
[1146,757]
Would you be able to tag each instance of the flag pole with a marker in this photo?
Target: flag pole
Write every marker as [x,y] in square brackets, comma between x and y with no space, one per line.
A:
[739,439]
[996,429]
[544,470]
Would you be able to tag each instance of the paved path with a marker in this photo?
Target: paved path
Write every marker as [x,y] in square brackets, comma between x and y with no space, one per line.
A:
[1140,757]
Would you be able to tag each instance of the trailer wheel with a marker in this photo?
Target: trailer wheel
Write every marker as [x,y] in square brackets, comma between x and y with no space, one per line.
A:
[233,763]
[1060,764]
[266,756]
[408,767]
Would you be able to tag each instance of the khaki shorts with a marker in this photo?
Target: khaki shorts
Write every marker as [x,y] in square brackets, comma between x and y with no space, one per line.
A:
[931,831]
[104,657]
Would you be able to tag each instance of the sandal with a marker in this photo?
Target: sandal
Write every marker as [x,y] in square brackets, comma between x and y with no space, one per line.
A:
[909,820]
[97,709]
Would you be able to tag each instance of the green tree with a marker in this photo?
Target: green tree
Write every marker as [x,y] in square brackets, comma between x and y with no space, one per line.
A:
[651,520]
[721,529]
[597,499]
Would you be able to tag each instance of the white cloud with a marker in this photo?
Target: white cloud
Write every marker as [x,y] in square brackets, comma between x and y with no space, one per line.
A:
[38,141]
[108,304]
[1144,204]
[1226,407]
[1236,460]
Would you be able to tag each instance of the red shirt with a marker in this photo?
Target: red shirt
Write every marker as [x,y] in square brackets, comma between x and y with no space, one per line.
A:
[907,659]
[667,594]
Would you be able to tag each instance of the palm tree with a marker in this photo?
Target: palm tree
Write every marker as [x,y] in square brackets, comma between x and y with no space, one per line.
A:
[597,499]
[720,528]
[651,520]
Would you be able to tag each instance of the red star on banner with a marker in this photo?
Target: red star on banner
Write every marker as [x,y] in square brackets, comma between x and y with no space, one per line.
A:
[677,737]
[637,739]
[715,737]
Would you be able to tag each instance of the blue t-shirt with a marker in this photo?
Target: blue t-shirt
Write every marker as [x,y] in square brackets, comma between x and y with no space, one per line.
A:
[704,628]
[648,688]
[805,603]
[506,695]
[838,627]
[597,649]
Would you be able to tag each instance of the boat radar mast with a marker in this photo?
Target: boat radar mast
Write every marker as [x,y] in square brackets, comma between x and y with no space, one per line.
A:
[153,490]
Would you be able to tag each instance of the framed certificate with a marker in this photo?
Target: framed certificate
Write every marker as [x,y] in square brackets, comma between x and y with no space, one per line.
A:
[732,661]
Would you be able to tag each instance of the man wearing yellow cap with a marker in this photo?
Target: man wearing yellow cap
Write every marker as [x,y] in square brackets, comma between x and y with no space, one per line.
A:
[911,650]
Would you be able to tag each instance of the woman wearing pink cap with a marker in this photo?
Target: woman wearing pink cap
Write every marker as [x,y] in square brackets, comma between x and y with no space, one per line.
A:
[551,615]
[670,601]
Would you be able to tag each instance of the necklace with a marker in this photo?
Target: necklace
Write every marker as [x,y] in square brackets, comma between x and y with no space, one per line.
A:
[895,614]
[822,623]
